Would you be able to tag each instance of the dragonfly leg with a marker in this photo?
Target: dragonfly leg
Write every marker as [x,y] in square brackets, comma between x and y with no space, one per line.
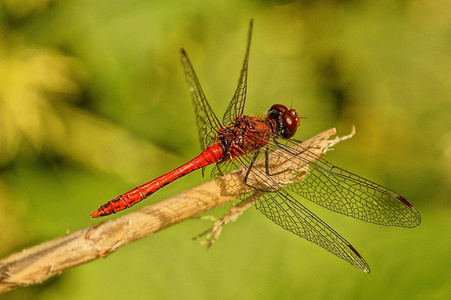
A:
[248,171]
[254,158]
[267,168]
[267,160]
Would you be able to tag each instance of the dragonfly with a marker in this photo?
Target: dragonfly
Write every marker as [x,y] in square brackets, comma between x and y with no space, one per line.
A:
[235,146]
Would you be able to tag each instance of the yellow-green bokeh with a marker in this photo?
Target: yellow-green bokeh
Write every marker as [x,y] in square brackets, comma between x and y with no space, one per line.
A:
[93,102]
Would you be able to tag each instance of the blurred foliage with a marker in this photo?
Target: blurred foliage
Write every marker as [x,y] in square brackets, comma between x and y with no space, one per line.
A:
[93,102]
[24,8]
[28,116]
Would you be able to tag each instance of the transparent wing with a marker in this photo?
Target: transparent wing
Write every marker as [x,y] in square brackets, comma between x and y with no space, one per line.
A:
[279,206]
[236,105]
[284,210]
[206,120]
[230,178]
[342,191]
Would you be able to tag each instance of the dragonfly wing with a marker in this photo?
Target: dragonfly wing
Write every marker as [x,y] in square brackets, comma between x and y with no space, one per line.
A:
[229,176]
[284,210]
[280,207]
[206,119]
[344,192]
[236,105]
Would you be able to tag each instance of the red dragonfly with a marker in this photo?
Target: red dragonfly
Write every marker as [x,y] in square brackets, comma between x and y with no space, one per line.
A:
[237,142]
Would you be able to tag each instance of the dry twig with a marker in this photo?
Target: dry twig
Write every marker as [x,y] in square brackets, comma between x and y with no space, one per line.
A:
[41,262]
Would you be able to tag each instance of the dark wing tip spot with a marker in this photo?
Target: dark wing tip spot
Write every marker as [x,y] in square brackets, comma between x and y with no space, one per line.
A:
[403,200]
[364,267]
[354,250]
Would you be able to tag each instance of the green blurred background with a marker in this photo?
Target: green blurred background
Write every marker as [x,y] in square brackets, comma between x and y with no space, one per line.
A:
[93,102]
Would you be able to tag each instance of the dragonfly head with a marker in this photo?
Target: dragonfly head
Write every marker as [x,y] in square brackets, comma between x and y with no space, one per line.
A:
[287,120]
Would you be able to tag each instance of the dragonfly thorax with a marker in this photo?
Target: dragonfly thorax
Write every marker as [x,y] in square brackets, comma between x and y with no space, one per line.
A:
[244,135]
[286,121]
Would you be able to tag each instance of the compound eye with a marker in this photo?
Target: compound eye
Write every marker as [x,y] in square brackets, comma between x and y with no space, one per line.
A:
[291,122]
[279,108]
[294,115]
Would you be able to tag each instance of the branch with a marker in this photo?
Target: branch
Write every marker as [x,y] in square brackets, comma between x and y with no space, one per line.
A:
[41,262]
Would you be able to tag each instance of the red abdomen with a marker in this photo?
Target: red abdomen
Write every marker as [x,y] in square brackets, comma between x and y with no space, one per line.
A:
[211,155]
